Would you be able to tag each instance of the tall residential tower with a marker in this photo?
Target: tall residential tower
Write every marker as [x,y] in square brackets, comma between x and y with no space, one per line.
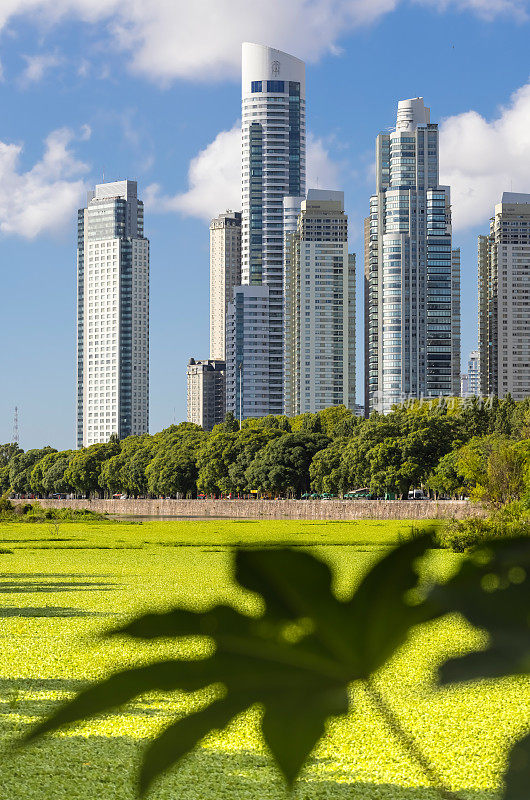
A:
[225,274]
[112,315]
[504,296]
[273,167]
[319,289]
[412,273]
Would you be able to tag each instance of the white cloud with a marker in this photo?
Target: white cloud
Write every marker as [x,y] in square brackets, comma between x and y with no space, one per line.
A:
[43,199]
[37,66]
[214,177]
[322,171]
[480,159]
[201,40]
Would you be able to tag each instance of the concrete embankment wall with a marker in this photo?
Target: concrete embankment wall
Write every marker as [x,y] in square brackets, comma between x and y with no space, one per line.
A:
[278,509]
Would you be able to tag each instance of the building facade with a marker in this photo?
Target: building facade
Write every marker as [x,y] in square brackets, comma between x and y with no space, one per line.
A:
[248,347]
[273,167]
[470,380]
[225,274]
[504,296]
[206,392]
[112,315]
[411,271]
[319,291]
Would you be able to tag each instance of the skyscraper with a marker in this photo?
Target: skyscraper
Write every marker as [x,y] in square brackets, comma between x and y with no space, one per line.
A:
[411,274]
[206,392]
[225,274]
[504,291]
[112,315]
[319,356]
[273,167]
[248,353]
[470,381]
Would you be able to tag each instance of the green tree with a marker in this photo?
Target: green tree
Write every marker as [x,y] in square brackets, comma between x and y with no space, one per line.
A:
[325,471]
[216,454]
[446,478]
[84,470]
[21,467]
[174,468]
[337,421]
[138,456]
[249,442]
[173,472]
[110,475]
[7,451]
[496,468]
[230,424]
[306,423]
[36,480]
[282,466]
[54,479]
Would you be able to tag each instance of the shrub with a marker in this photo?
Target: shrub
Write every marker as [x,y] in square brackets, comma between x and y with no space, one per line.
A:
[461,535]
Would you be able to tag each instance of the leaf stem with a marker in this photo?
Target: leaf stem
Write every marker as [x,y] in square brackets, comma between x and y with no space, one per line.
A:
[407,741]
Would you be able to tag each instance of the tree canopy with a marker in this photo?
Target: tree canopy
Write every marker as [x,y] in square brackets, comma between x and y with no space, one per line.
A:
[450,449]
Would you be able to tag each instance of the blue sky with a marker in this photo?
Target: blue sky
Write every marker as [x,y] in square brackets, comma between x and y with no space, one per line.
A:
[151,92]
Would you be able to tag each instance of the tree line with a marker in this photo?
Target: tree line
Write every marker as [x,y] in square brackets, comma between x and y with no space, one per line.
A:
[450,448]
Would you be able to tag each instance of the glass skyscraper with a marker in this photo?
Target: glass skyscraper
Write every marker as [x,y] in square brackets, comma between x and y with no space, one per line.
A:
[412,274]
[112,315]
[273,167]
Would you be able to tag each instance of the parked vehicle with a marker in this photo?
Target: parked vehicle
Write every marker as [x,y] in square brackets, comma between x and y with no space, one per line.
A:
[357,494]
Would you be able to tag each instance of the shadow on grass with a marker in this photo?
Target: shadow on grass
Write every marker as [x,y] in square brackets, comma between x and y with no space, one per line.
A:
[24,697]
[106,767]
[49,611]
[50,539]
[30,586]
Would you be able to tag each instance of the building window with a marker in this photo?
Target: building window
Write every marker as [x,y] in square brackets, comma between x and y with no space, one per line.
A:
[274,86]
[256,86]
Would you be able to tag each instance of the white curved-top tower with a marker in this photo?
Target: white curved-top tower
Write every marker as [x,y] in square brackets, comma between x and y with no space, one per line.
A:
[273,167]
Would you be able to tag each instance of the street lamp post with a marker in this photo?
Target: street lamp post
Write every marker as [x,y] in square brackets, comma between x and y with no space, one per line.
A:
[240,393]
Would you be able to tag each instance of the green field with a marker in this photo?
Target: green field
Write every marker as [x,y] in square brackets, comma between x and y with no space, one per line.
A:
[62,585]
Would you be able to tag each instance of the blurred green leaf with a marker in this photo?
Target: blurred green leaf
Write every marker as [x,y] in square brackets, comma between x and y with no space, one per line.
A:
[295,660]
[492,590]
[517,777]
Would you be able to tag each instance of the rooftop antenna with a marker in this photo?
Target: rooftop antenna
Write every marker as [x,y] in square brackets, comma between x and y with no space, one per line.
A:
[15,438]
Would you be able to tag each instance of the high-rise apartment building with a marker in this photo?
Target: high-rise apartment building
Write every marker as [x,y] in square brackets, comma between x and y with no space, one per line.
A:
[248,353]
[319,290]
[206,392]
[412,273]
[112,315]
[273,167]
[470,380]
[504,296]
[225,274]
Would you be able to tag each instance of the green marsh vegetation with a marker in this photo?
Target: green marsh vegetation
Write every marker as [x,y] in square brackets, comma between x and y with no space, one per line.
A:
[58,597]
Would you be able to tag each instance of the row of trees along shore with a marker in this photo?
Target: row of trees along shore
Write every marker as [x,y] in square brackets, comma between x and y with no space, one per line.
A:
[451,448]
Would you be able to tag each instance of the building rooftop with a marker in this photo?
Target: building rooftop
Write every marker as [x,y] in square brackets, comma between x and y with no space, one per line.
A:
[411,113]
[514,198]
